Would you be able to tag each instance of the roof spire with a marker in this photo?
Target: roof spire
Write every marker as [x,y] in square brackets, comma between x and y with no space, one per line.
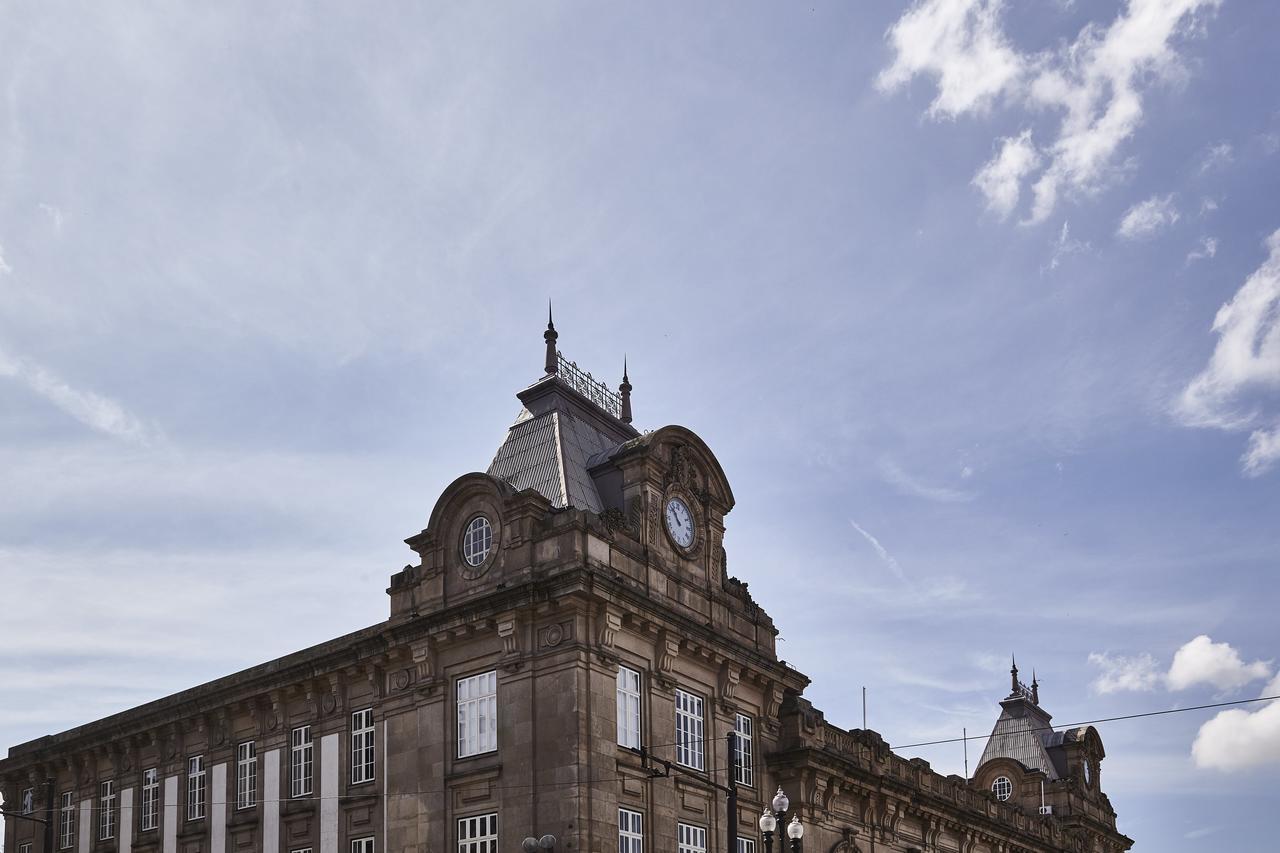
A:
[625,388]
[1013,673]
[1035,689]
[550,336]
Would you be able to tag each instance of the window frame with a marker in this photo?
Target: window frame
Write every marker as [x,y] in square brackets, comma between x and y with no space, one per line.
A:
[363,844]
[301,761]
[246,775]
[28,800]
[478,843]
[106,810]
[630,840]
[196,788]
[685,835]
[473,739]
[633,719]
[1007,787]
[744,772]
[66,820]
[691,731]
[24,847]
[363,731]
[475,553]
[149,807]
[746,845]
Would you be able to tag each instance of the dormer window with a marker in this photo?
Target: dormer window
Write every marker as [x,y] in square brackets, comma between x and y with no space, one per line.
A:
[1002,788]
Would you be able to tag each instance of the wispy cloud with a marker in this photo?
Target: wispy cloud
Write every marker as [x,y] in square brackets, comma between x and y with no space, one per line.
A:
[908,484]
[93,410]
[1208,249]
[1096,83]
[885,557]
[1217,156]
[1238,388]
[1148,218]
[1120,674]
[1065,246]
[5,269]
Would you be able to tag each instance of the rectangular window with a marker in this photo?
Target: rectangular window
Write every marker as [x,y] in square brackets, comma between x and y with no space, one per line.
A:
[689,730]
[246,775]
[25,847]
[692,839]
[478,714]
[746,845]
[28,800]
[628,708]
[300,762]
[743,752]
[478,834]
[195,787]
[630,831]
[149,817]
[66,821]
[362,746]
[107,810]
[300,850]
[362,845]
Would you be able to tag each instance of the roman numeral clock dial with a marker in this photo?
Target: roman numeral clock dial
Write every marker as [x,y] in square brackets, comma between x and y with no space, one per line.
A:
[679,523]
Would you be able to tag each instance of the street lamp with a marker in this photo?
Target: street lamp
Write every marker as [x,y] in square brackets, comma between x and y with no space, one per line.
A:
[533,845]
[771,820]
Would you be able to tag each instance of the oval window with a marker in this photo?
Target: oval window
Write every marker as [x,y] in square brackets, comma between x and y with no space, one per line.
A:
[477,540]
[1002,788]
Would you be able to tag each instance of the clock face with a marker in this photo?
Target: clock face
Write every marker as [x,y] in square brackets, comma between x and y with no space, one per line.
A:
[679,522]
[1088,774]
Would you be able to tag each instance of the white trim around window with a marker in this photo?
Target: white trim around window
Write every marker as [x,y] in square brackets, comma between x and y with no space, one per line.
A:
[107,810]
[744,750]
[478,834]
[628,707]
[149,814]
[301,761]
[630,831]
[195,787]
[690,838]
[362,746]
[477,714]
[362,845]
[66,820]
[746,845]
[689,730]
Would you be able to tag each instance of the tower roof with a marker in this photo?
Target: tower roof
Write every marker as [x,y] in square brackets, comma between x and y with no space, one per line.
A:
[567,418]
[1023,731]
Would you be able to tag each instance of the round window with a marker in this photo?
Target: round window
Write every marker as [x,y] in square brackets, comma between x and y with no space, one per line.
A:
[477,541]
[1002,788]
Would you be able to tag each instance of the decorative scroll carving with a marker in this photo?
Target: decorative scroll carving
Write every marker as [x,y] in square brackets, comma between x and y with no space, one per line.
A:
[426,663]
[610,622]
[665,651]
[728,683]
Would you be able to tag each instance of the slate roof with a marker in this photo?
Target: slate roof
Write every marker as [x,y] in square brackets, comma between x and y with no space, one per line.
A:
[1022,733]
[550,446]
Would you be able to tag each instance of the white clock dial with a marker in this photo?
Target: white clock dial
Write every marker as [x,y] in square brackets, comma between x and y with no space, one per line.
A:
[679,522]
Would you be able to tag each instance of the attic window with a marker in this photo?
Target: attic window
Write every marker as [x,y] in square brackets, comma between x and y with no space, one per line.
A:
[1002,788]
[477,541]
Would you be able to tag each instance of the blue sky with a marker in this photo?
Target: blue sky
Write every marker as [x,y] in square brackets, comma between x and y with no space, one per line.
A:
[977,303]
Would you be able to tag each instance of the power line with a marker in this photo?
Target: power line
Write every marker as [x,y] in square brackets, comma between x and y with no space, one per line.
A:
[1099,720]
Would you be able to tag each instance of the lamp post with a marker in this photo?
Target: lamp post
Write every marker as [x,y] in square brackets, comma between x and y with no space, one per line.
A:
[533,845]
[771,820]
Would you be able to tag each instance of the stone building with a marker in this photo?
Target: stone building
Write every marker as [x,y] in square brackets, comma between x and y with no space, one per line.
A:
[566,658]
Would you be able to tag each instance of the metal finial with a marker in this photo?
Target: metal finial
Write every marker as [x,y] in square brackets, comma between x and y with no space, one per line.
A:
[1035,689]
[625,389]
[550,336]
[1013,673]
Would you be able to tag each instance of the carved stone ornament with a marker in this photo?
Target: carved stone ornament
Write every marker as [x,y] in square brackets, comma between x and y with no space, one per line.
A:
[728,683]
[401,679]
[425,663]
[610,621]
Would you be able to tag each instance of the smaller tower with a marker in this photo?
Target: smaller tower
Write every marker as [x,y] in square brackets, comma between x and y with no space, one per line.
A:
[550,337]
[625,389]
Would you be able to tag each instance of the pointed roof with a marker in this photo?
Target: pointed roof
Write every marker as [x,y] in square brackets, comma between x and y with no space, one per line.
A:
[1023,731]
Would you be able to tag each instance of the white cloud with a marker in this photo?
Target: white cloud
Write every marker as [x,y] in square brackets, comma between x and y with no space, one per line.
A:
[1243,374]
[1147,218]
[960,42]
[1202,661]
[885,557]
[1208,205]
[1236,738]
[1120,673]
[1208,249]
[1000,180]
[54,213]
[910,485]
[92,410]
[1217,155]
[1095,83]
